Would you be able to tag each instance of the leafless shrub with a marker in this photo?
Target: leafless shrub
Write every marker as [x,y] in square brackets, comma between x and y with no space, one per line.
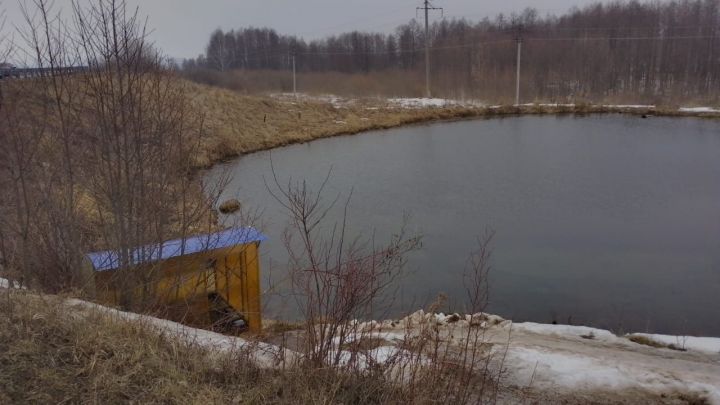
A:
[336,280]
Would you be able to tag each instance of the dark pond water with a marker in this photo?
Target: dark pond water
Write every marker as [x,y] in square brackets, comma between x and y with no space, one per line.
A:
[609,221]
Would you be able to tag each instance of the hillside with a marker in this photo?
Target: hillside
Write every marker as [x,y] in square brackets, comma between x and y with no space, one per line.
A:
[58,349]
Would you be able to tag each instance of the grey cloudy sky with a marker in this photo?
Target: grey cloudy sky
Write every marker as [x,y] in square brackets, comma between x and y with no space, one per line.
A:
[181,27]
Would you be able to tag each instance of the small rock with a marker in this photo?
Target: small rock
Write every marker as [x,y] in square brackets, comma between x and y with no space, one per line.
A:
[452,318]
[495,320]
[229,206]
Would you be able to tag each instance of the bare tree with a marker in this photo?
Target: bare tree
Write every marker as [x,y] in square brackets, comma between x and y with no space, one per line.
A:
[102,159]
[650,51]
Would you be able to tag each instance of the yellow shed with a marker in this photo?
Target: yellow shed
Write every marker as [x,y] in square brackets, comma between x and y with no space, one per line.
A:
[207,280]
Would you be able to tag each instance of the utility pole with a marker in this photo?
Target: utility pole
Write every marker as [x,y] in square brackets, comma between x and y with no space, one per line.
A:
[294,77]
[427,7]
[519,40]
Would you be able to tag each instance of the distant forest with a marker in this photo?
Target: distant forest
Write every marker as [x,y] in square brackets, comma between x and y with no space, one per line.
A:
[654,52]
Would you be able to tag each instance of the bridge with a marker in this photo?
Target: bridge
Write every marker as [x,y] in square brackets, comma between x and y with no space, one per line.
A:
[24,73]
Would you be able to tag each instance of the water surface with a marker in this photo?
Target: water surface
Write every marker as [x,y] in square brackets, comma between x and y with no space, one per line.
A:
[610,221]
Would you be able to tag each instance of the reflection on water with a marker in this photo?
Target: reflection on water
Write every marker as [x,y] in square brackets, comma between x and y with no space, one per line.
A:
[606,220]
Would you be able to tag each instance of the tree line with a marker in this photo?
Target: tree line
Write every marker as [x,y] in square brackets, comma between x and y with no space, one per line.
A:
[652,50]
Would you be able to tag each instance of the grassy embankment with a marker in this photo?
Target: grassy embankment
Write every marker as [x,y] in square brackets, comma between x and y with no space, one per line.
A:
[237,124]
[50,353]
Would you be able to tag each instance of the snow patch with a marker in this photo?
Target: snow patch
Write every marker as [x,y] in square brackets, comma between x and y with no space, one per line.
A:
[264,355]
[567,331]
[630,106]
[570,105]
[553,369]
[5,283]
[335,101]
[421,102]
[565,370]
[699,110]
[416,103]
[700,344]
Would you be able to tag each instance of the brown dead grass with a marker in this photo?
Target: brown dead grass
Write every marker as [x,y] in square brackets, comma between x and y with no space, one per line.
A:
[643,340]
[238,124]
[48,355]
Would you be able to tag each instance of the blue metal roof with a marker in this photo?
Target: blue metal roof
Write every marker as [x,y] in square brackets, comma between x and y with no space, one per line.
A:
[108,260]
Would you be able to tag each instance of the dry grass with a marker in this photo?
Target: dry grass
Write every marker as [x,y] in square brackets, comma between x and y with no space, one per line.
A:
[52,353]
[396,83]
[47,356]
[237,124]
[643,340]
[50,356]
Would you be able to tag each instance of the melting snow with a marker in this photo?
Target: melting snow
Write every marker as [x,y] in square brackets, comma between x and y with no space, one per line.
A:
[551,368]
[412,103]
[699,110]
[565,361]
[567,331]
[421,102]
[566,370]
[635,106]
[5,283]
[262,354]
[700,344]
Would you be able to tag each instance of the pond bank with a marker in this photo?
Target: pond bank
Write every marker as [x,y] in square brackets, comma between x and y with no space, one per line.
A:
[239,124]
[536,362]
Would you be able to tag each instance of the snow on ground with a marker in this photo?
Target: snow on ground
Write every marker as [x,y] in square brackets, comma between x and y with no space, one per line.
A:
[699,110]
[548,367]
[631,106]
[415,103]
[421,102]
[5,283]
[262,354]
[335,101]
[583,332]
[700,344]
[551,359]
[557,370]
[578,360]
[558,105]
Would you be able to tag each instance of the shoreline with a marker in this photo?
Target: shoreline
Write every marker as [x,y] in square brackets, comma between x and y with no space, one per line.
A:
[392,116]
[549,363]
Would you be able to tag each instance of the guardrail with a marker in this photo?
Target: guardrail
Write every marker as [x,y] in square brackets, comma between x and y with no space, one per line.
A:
[23,73]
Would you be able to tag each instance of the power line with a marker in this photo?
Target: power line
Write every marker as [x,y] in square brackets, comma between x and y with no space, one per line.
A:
[427,7]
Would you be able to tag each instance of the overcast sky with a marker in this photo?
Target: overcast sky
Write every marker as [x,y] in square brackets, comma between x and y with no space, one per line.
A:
[181,27]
